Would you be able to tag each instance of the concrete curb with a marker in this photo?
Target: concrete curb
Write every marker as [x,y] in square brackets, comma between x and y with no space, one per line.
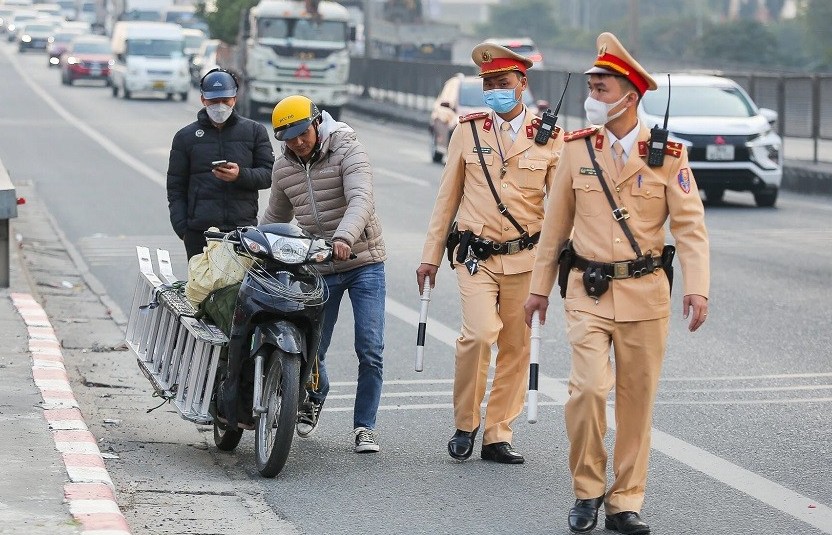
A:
[90,491]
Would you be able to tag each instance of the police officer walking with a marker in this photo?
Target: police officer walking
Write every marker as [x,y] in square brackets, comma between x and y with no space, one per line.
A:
[494,182]
[617,274]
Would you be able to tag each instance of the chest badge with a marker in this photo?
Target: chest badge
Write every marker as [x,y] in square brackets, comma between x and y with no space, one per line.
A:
[588,171]
[199,133]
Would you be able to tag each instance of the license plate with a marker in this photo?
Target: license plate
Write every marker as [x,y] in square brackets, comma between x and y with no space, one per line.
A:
[95,72]
[158,85]
[719,152]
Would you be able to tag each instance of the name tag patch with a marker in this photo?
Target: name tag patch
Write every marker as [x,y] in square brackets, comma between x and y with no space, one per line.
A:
[588,171]
[484,150]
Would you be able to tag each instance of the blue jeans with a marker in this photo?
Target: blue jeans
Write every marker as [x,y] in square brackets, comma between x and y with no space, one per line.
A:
[366,287]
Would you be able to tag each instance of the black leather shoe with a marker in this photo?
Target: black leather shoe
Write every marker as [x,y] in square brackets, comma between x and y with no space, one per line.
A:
[584,515]
[461,444]
[501,452]
[627,522]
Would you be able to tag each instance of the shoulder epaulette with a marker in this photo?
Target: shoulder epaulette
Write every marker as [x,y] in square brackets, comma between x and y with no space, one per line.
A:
[580,134]
[673,149]
[473,116]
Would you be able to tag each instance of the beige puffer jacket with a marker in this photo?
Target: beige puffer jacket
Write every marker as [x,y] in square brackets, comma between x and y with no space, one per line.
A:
[332,197]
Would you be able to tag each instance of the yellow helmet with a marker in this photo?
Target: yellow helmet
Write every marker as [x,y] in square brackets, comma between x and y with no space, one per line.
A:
[292,116]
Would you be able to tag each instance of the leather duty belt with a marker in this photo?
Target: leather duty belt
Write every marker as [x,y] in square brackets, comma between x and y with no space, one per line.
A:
[483,247]
[621,270]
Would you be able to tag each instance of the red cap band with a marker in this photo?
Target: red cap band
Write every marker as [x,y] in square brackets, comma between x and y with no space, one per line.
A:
[614,63]
[502,64]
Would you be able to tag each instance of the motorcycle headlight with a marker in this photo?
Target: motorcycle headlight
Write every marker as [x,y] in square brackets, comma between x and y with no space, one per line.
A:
[289,250]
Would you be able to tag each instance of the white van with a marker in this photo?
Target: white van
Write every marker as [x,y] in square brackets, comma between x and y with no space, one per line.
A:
[149,57]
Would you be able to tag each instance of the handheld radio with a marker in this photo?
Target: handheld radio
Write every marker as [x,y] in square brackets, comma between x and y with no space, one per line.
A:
[549,119]
[658,137]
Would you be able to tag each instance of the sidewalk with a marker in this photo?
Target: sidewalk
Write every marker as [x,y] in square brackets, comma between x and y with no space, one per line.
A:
[33,472]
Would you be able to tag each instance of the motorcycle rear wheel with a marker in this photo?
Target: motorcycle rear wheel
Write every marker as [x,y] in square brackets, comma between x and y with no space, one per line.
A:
[276,427]
[226,439]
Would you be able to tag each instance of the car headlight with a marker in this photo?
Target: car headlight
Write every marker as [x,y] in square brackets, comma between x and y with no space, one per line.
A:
[26,39]
[71,60]
[764,150]
[289,250]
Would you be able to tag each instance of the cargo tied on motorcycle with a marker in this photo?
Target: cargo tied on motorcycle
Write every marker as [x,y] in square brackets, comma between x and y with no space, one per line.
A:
[271,345]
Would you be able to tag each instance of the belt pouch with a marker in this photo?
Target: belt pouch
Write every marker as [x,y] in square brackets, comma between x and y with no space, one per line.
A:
[462,251]
[668,252]
[451,243]
[566,258]
[595,281]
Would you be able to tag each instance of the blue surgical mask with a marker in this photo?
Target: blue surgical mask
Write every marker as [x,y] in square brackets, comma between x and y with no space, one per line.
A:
[501,100]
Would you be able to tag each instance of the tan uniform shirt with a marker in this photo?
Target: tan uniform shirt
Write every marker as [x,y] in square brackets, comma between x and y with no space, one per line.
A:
[464,192]
[651,195]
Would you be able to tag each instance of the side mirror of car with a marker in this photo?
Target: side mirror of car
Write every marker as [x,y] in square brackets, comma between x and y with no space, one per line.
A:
[770,115]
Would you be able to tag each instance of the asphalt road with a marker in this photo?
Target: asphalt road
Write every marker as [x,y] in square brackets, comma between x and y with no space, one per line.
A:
[742,428]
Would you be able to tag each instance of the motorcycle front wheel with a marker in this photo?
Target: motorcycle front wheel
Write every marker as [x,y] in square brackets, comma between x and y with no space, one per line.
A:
[276,427]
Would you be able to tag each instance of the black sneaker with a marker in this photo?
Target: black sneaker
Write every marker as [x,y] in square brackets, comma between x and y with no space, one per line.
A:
[308,415]
[366,440]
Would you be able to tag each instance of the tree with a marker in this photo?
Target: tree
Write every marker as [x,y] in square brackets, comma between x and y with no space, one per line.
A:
[742,41]
[224,21]
[534,18]
[817,15]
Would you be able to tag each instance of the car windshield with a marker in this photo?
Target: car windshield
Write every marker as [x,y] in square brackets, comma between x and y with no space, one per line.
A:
[163,48]
[193,41]
[699,101]
[91,48]
[305,29]
[64,37]
[38,28]
[470,95]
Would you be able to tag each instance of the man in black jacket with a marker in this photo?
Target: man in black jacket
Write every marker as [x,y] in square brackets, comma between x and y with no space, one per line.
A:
[217,165]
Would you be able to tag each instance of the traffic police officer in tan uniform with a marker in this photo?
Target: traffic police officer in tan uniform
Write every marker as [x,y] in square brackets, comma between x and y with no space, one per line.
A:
[495,252]
[616,296]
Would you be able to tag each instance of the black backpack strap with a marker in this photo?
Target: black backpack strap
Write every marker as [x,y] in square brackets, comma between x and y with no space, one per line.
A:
[500,206]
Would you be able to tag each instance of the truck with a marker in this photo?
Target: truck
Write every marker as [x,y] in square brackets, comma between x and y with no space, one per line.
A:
[288,47]
[131,10]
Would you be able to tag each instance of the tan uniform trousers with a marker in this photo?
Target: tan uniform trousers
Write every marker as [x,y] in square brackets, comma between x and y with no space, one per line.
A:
[492,311]
[639,350]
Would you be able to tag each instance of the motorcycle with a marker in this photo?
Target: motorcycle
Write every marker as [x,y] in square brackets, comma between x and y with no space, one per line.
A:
[273,342]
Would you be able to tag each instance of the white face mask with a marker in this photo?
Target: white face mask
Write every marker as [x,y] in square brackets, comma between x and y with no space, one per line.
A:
[219,113]
[598,112]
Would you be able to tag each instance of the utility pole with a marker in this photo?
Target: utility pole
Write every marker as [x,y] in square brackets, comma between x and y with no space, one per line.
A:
[633,43]
[367,6]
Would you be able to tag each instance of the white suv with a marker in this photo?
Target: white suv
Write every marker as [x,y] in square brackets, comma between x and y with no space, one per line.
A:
[731,143]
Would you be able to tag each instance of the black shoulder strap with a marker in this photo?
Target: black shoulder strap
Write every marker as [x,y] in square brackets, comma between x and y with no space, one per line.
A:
[619,214]
[500,206]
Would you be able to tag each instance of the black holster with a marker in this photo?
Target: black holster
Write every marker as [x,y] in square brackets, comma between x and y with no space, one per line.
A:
[451,243]
[566,259]
[668,252]
[464,242]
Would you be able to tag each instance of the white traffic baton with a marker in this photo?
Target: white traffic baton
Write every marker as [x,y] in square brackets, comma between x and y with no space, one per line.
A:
[423,319]
[534,360]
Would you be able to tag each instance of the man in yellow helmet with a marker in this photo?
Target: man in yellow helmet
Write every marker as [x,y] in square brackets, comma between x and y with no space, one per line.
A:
[322,177]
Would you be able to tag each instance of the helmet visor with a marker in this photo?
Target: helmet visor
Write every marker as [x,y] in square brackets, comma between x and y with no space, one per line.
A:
[292,130]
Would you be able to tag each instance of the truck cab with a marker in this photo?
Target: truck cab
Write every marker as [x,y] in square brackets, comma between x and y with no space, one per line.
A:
[149,57]
[291,50]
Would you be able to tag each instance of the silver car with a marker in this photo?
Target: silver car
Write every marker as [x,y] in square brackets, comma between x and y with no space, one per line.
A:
[731,142]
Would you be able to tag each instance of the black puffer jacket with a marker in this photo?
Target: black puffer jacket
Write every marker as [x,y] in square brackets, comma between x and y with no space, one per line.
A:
[196,198]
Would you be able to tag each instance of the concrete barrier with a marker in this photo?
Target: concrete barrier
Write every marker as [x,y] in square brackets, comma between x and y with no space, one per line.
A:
[798,176]
[8,210]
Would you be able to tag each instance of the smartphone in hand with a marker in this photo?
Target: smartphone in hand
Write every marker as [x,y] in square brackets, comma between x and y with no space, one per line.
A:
[218,163]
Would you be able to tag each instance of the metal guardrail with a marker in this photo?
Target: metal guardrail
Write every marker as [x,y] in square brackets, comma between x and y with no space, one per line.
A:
[803,102]
[8,210]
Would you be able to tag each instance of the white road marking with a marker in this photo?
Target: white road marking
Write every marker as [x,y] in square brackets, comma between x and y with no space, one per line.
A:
[400,176]
[772,494]
[117,152]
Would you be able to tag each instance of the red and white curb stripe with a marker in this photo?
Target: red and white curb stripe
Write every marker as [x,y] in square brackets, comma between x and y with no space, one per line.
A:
[90,492]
